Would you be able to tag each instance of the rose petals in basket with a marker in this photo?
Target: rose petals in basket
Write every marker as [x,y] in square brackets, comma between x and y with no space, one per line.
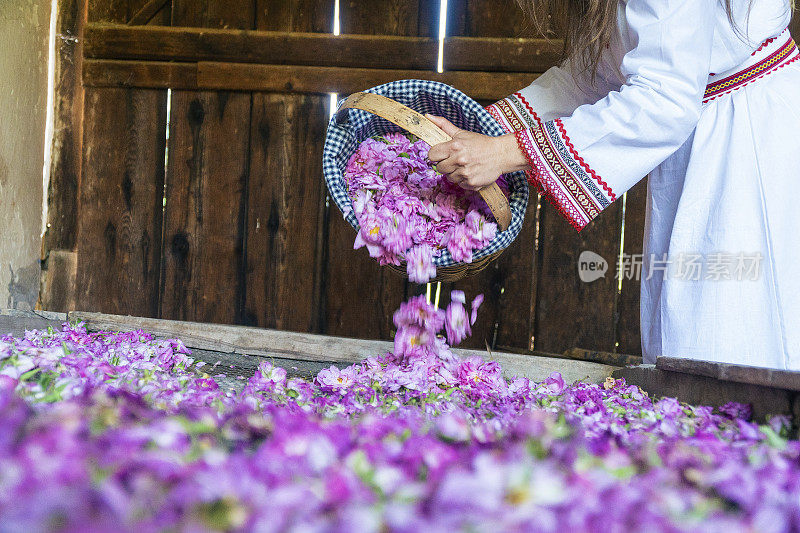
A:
[409,212]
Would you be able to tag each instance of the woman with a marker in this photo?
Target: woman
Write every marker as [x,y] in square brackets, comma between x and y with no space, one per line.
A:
[704,95]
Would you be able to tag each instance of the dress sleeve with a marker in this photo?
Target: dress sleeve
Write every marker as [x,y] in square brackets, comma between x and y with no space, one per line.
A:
[584,153]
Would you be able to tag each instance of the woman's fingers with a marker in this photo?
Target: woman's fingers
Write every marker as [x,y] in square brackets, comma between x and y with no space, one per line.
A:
[440,152]
[448,127]
[458,175]
[455,180]
[448,166]
[463,160]
[460,178]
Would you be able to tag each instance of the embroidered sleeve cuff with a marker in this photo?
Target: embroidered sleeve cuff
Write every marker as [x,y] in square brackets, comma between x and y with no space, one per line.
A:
[512,121]
[558,170]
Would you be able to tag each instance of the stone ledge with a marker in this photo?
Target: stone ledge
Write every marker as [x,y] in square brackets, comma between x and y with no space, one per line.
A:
[16,322]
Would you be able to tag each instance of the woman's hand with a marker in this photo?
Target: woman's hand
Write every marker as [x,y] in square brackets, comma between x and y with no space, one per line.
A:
[473,160]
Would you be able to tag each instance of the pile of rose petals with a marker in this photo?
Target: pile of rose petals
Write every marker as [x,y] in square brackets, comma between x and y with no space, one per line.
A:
[408,212]
[122,432]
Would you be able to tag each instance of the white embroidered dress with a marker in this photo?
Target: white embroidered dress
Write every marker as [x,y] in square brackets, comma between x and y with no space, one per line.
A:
[714,118]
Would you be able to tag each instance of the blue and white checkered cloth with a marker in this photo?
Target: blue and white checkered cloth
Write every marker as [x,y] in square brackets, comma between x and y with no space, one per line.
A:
[345,135]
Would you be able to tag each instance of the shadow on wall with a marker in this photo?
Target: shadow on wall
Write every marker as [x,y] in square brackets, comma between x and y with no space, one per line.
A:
[23,288]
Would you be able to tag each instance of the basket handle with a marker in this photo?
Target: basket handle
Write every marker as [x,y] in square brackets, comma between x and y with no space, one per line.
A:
[417,124]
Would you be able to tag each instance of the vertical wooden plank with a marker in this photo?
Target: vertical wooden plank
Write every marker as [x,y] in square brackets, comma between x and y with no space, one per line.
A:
[487,18]
[314,16]
[629,337]
[119,230]
[121,187]
[284,199]
[390,17]
[121,11]
[237,14]
[206,202]
[65,169]
[570,312]
[360,297]
[286,194]
[111,11]
[517,302]
[207,179]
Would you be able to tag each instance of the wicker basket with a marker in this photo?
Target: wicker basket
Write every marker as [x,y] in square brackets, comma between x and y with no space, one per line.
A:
[400,106]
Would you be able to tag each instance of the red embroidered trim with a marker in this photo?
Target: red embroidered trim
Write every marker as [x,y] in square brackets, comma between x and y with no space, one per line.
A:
[765,44]
[785,55]
[530,176]
[542,179]
[789,62]
[583,163]
[496,115]
[528,106]
[571,147]
[549,174]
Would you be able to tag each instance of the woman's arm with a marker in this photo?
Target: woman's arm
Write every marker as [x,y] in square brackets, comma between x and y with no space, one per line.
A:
[585,160]
[557,92]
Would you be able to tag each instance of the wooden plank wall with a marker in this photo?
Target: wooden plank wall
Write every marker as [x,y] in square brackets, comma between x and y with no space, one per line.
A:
[206,189]
[286,198]
[229,222]
[120,199]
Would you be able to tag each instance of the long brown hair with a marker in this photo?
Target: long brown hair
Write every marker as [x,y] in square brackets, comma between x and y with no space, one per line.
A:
[587,26]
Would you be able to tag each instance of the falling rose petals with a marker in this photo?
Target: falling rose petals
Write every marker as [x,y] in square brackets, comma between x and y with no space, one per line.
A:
[476,303]
[419,264]
[457,324]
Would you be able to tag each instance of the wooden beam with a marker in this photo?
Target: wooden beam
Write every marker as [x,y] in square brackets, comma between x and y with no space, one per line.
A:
[608,358]
[703,390]
[241,340]
[581,354]
[141,74]
[286,78]
[257,342]
[765,377]
[158,43]
[147,12]
[67,145]
[16,323]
